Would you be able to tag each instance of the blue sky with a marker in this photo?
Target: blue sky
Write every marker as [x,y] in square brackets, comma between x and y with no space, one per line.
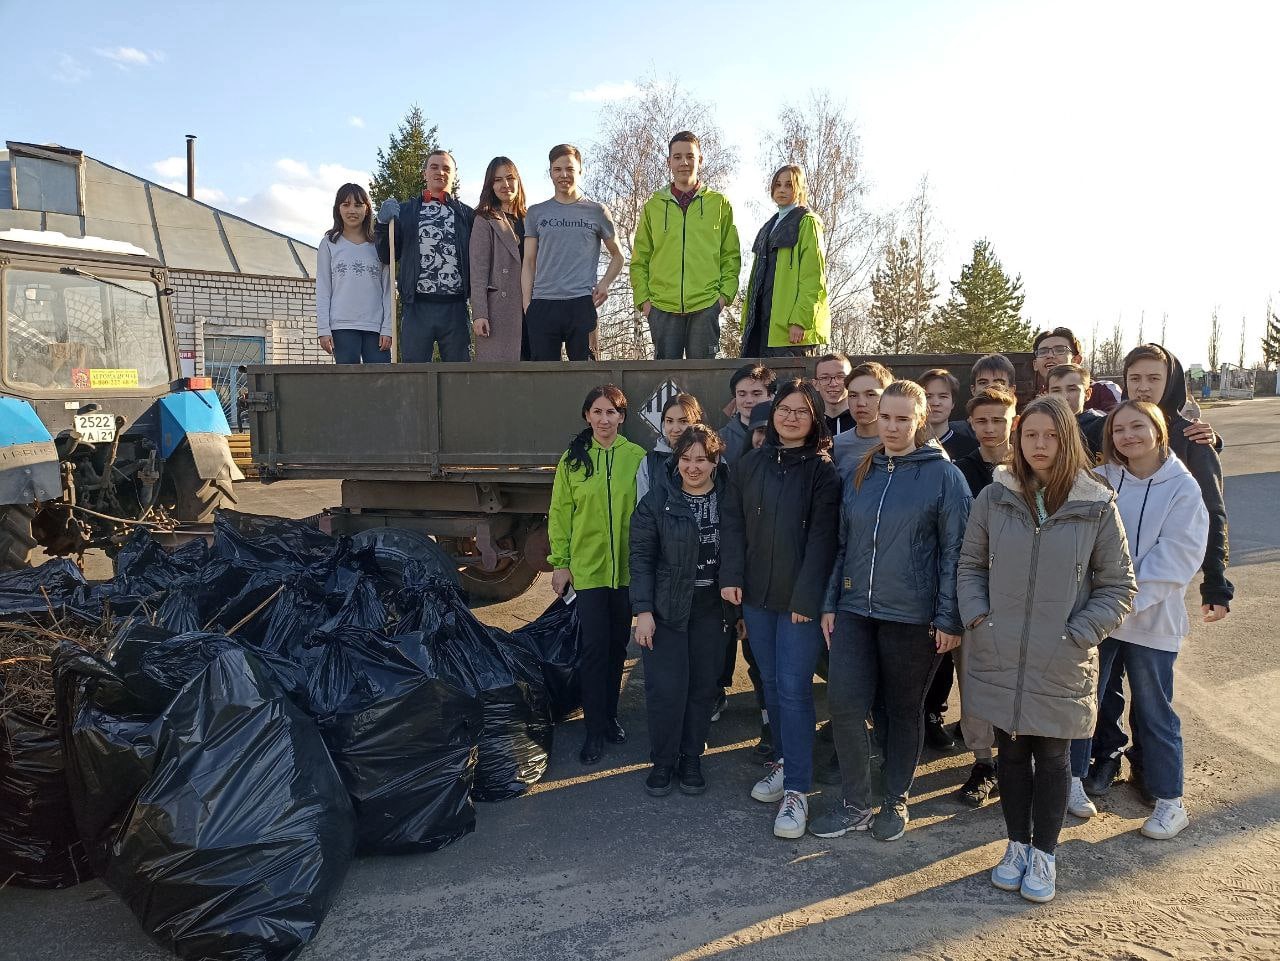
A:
[1120,156]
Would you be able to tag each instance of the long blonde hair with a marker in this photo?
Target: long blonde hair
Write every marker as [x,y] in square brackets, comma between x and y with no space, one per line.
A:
[1152,413]
[798,182]
[1069,463]
[913,392]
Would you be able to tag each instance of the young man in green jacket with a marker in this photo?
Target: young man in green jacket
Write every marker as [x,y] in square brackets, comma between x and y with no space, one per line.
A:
[686,258]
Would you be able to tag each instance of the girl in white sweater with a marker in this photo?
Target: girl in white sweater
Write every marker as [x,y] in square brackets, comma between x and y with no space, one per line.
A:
[353,287]
[1167,526]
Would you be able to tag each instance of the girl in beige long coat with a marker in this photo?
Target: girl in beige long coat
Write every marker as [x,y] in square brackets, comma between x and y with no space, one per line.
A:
[1044,577]
[497,239]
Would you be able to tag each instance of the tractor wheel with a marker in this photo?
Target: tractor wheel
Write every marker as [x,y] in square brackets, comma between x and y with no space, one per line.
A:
[189,497]
[17,545]
[513,578]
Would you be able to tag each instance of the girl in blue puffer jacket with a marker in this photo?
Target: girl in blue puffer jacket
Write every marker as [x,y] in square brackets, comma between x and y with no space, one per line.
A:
[890,609]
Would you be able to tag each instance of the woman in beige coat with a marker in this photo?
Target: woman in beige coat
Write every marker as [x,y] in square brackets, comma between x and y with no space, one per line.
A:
[497,239]
[1044,577]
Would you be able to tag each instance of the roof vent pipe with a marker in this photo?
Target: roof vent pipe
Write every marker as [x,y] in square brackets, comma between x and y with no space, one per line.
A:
[191,166]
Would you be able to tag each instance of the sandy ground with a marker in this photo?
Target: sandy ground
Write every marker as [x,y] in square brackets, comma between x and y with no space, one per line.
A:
[587,866]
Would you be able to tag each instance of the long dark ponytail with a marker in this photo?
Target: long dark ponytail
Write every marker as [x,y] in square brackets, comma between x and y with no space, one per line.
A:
[578,455]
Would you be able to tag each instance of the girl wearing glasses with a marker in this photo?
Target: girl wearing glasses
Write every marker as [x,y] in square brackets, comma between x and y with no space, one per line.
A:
[778,544]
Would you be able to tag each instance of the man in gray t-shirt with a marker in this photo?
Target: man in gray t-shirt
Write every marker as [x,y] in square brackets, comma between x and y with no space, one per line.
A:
[563,237]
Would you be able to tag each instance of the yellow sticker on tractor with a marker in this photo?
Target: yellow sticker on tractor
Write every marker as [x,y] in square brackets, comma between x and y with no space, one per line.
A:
[113,377]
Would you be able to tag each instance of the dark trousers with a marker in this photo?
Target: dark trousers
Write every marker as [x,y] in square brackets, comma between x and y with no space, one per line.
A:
[427,324]
[358,347]
[680,675]
[552,324]
[1035,780]
[791,350]
[1109,737]
[604,614]
[935,701]
[695,336]
[870,657]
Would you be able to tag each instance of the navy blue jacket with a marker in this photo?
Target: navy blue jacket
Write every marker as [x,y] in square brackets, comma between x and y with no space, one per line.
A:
[899,541]
[407,251]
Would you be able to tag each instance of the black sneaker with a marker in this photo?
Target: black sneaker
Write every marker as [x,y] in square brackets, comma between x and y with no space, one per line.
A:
[658,783]
[689,773]
[981,785]
[614,733]
[935,734]
[764,747]
[890,822]
[1104,773]
[721,702]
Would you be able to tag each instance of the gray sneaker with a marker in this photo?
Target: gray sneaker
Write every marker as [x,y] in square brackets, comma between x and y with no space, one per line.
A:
[890,822]
[842,818]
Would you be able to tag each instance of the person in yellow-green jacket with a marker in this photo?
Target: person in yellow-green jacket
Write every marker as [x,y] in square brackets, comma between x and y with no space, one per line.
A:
[786,311]
[589,527]
[685,259]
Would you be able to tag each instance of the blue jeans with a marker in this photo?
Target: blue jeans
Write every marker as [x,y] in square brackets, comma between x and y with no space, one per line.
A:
[693,336]
[358,347]
[1082,748]
[786,655]
[1156,726]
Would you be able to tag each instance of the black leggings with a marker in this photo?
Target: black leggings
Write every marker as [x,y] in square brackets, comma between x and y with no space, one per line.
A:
[604,614]
[1034,801]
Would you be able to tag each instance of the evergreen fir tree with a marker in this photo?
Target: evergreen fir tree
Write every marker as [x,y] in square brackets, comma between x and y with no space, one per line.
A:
[1271,342]
[903,295]
[399,172]
[983,313]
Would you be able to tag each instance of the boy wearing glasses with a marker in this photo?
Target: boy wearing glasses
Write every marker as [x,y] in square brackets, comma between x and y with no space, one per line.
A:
[1061,346]
[828,376]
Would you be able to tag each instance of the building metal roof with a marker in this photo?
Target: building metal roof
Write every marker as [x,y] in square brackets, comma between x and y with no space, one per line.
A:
[181,233]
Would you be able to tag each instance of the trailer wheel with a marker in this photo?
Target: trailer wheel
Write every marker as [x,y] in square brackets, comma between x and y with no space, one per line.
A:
[190,497]
[508,582]
[17,545]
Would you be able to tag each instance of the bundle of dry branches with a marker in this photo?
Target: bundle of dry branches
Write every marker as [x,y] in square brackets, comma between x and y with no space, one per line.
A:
[26,660]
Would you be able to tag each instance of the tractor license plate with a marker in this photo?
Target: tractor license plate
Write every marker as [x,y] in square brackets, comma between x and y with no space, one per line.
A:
[96,428]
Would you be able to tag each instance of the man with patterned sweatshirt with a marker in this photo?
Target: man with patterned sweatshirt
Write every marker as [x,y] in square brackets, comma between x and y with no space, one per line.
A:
[433,236]
[686,258]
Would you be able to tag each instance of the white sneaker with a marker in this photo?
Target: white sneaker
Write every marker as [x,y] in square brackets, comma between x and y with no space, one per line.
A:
[769,788]
[1078,803]
[1007,875]
[1040,883]
[1167,820]
[793,816]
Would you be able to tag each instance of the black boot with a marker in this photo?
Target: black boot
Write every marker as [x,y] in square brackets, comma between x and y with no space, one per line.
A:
[935,735]
[658,783]
[764,747]
[690,774]
[592,749]
[1104,773]
[614,733]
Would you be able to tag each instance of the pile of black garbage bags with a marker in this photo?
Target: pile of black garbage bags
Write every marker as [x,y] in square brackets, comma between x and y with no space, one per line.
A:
[269,707]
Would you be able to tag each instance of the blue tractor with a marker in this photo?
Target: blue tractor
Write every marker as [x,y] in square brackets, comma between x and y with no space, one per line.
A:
[99,429]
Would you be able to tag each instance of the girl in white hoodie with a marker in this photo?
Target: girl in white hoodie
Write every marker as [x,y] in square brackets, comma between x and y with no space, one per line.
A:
[1168,527]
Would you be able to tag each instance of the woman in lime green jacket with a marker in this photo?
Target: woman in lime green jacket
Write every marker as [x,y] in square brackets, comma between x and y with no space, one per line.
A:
[786,311]
[589,527]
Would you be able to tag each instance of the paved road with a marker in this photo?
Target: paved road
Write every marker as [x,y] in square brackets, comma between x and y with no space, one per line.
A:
[587,866]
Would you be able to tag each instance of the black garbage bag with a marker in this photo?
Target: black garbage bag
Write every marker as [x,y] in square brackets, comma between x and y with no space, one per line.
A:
[516,744]
[143,567]
[290,619]
[55,584]
[238,843]
[556,639]
[39,844]
[403,733]
[277,543]
[178,612]
[108,741]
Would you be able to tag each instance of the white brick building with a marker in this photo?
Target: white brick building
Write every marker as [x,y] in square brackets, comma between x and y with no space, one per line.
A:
[242,293]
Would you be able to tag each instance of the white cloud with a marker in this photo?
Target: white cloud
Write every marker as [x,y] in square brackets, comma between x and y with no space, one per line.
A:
[300,202]
[126,57]
[69,69]
[357,122]
[170,167]
[605,91]
[208,195]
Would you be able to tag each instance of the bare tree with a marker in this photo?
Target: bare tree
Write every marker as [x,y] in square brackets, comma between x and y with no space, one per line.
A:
[625,166]
[1142,327]
[1109,355]
[1164,328]
[824,141]
[1093,348]
[1243,325]
[1215,339]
